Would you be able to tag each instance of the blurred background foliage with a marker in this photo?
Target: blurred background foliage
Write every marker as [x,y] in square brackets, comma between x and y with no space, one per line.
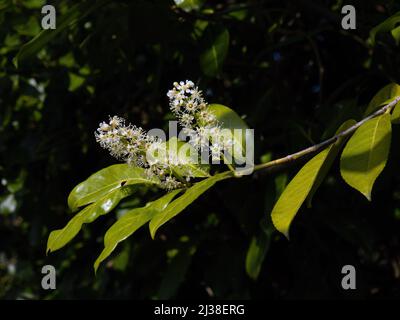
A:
[287,66]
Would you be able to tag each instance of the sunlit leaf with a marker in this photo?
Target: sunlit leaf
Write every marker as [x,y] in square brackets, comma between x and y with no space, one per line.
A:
[383,97]
[182,152]
[130,222]
[59,238]
[105,181]
[332,153]
[184,200]
[229,119]
[306,181]
[396,114]
[365,154]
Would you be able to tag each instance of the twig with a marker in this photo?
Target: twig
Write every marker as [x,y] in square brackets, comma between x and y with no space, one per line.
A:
[294,156]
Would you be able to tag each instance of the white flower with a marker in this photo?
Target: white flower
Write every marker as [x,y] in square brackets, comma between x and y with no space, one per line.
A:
[216,151]
[134,146]
[170,183]
[104,126]
[116,122]
[207,118]
[186,120]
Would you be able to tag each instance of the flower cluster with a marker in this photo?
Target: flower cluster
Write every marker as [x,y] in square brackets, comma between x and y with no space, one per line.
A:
[199,123]
[187,103]
[133,145]
[124,142]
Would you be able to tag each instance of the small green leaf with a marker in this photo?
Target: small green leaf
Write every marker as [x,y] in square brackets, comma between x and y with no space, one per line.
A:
[383,97]
[256,253]
[229,119]
[396,34]
[332,153]
[305,183]
[59,238]
[130,222]
[74,14]
[189,5]
[105,181]
[184,200]
[365,155]
[175,273]
[390,24]
[216,44]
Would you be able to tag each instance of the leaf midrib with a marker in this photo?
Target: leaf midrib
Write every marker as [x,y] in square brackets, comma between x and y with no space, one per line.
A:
[118,185]
[373,143]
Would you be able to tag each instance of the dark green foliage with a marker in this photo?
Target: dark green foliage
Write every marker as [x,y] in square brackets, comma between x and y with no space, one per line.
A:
[289,68]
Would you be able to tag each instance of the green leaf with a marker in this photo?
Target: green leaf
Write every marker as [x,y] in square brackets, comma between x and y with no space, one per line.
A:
[383,97]
[216,44]
[59,238]
[183,152]
[175,273]
[306,181]
[105,181]
[229,119]
[333,151]
[396,114]
[390,24]
[74,14]
[365,155]
[75,81]
[256,253]
[130,222]
[184,200]
[189,5]
[396,34]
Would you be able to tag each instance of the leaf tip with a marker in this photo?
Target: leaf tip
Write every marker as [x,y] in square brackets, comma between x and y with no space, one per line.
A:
[286,234]
[281,229]
[96,267]
[15,62]
[153,233]
[368,196]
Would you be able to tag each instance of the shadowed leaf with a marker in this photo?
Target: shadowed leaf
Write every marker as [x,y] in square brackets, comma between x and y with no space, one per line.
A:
[130,222]
[184,200]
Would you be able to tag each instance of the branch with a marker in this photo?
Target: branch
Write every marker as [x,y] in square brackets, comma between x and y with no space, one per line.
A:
[295,156]
[215,16]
